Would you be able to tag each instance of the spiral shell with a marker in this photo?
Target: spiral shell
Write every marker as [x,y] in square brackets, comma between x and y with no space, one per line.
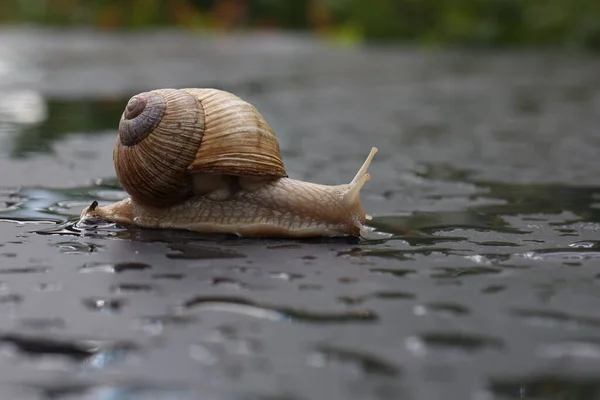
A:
[166,136]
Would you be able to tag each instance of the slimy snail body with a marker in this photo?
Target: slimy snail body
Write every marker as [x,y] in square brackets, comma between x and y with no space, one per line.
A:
[205,160]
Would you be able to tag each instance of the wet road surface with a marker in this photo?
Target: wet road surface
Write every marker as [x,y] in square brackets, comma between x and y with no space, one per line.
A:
[481,280]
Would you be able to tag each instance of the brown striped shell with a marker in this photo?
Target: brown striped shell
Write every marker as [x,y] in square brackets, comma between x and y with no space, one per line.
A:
[166,136]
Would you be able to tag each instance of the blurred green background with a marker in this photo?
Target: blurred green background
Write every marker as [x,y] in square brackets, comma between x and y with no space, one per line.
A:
[483,23]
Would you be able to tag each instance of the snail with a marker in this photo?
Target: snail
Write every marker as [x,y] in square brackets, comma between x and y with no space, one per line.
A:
[205,160]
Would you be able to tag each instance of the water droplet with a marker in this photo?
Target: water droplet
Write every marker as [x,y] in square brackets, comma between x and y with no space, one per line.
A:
[586,244]
[204,355]
[276,313]
[310,286]
[457,272]
[11,200]
[355,300]
[110,306]
[156,324]
[113,268]
[49,287]
[403,255]
[567,254]
[124,390]
[197,252]
[30,221]
[550,386]
[75,247]
[43,323]
[11,298]
[246,347]
[24,270]
[366,364]
[225,282]
[479,259]
[493,289]
[553,318]
[132,288]
[398,272]
[570,349]
[245,270]
[93,353]
[285,246]
[462,342]
[286,276]
[498,244]
[442,308]
[85,227]
[418,226]
[172,276]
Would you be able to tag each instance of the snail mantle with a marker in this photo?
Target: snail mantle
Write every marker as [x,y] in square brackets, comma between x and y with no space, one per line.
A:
[205,160]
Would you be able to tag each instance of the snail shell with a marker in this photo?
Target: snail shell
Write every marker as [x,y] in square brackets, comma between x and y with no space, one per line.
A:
[170,138]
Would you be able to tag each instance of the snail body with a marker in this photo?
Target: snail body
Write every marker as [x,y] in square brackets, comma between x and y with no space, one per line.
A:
[207,161]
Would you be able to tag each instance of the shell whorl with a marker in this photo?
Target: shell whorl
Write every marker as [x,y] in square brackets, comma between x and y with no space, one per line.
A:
[159,136]
[168,135]
[142,115]
[238,140]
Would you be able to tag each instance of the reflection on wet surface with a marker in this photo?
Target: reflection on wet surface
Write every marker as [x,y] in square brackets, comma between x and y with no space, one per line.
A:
[546,387]
[479,281]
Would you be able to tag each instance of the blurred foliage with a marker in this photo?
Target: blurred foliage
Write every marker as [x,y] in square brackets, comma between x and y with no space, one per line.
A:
[570,23]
